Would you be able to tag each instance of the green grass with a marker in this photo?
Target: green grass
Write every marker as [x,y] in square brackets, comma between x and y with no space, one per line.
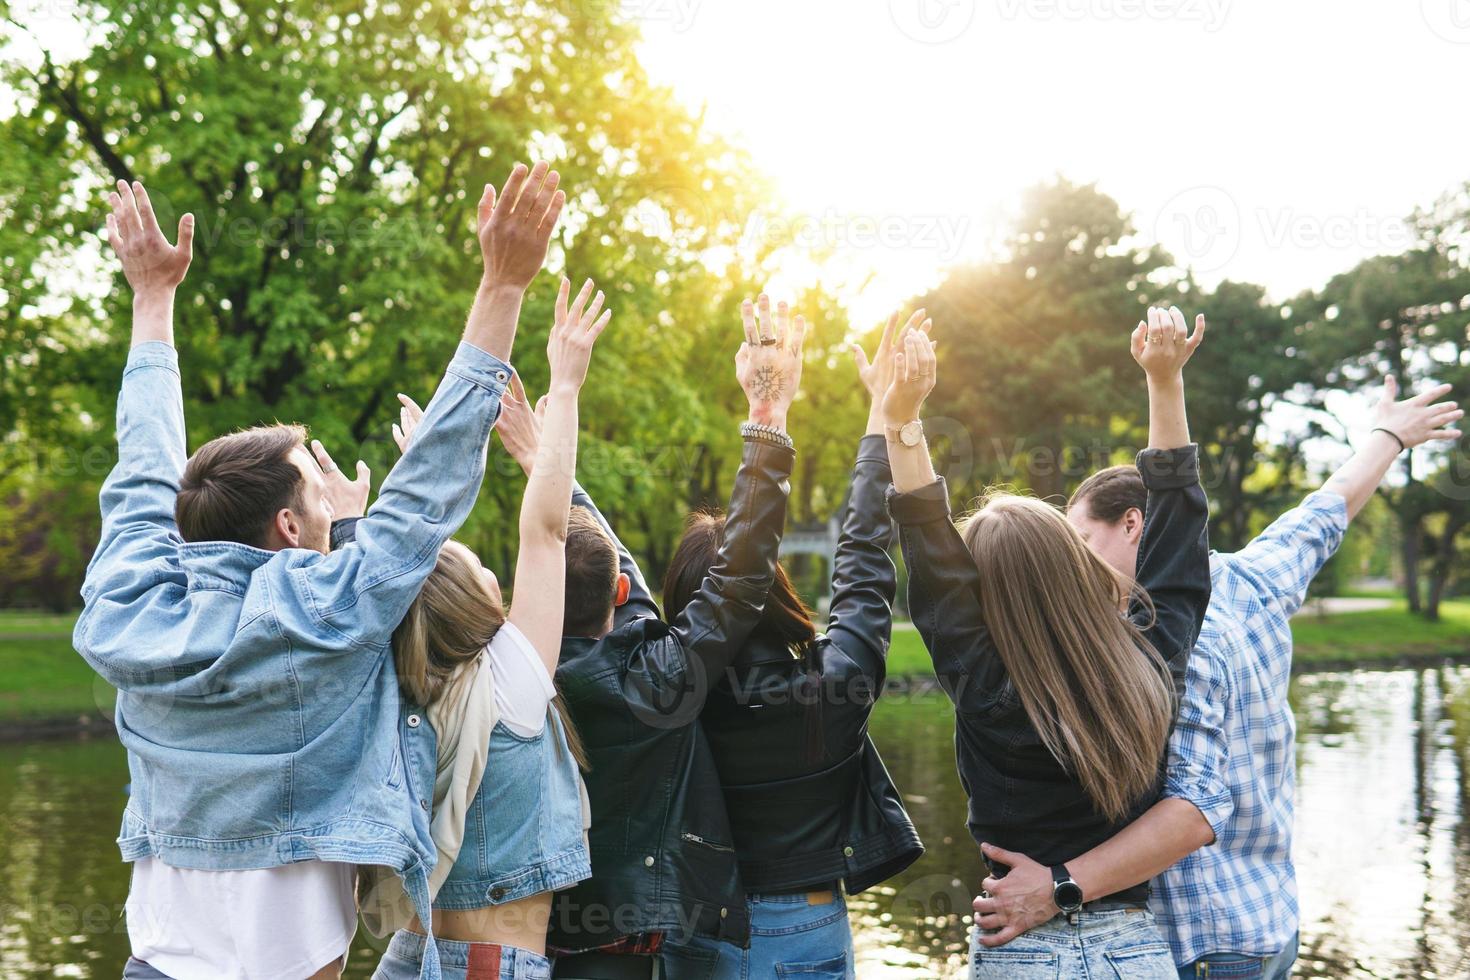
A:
[41,677]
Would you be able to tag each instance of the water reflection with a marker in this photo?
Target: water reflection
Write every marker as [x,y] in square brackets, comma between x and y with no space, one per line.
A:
[1383,845]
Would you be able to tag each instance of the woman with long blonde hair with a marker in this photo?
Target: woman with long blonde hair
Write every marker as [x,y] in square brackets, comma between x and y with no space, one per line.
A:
[1063,673]
[509,812]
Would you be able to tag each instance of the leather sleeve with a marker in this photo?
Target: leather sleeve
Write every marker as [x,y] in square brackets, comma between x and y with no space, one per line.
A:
[729,603]
[944,599]
[1173,555]
[864,581]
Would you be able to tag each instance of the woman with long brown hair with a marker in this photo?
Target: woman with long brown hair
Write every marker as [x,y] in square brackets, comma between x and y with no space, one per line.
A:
[813,812]
[1063,703]
[508,804]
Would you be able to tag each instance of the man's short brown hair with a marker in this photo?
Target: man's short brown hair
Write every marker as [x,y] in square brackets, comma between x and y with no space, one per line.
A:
[592,575]
[234,486]
[1111,493]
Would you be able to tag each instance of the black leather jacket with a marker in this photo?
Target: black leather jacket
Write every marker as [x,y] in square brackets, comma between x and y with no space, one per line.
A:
[1021,798]
[662,853]
[803,818]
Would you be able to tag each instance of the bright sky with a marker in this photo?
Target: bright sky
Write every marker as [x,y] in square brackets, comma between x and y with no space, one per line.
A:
[1276,142]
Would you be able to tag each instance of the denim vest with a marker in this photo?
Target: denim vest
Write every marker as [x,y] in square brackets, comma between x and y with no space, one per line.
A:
[523,831]
[257,699]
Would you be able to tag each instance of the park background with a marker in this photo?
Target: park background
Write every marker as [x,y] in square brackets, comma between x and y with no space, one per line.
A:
[1035,174]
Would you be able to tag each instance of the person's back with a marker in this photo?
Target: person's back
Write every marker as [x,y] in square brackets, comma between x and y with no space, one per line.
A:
[814,813]
[1063,703]
[664,868]
[255,697]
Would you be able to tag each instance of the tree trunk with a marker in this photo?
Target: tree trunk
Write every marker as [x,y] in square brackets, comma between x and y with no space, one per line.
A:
[1409,555]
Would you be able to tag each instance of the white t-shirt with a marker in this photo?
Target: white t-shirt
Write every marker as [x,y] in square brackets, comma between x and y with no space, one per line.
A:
[264,924]
[278,923]
[523,686]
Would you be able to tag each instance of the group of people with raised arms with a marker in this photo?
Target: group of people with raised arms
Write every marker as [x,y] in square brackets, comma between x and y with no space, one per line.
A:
[331,711]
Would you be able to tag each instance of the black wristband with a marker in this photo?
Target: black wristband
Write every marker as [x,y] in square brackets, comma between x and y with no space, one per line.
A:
[1393,434]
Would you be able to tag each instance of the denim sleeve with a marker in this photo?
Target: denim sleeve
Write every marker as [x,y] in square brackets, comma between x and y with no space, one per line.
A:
[944,597]
[1199,748]
[640,604]
[1283,559]
[1173,555]
[137,553]
[864,583]
[362,592]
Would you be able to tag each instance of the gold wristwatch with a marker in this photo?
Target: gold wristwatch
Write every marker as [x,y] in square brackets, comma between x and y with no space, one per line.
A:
[909,434]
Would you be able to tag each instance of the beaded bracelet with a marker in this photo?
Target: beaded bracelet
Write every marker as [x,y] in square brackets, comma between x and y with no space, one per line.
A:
[766,433]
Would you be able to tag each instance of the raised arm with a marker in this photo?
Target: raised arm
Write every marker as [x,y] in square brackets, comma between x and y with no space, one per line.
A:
[520,432]
[719,617]
[864,582]
[363,591]
[136,551]
[944,600]
[538,597]
[1174,551]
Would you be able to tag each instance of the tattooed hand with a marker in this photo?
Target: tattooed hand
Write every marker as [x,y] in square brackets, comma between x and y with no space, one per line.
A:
[768,365]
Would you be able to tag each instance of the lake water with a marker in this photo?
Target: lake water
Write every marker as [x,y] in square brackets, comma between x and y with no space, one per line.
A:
[1383,841]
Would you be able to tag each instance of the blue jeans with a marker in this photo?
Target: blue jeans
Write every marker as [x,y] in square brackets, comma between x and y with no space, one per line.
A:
[1234,966]
[790,937]
[1116,942]
[459,961]
[136,969]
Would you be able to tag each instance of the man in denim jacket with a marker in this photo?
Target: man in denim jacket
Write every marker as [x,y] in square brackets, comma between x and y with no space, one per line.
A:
[256,694]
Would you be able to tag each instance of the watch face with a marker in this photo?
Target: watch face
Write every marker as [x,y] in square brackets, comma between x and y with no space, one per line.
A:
[1068,896]
[911,433]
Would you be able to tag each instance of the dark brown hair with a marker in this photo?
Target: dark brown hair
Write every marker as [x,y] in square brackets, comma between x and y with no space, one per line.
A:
[1111,493]
[592,575]
[233,486]
[786,620]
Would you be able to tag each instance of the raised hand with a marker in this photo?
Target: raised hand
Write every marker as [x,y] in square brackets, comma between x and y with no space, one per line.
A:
[878,375]
[573,333]
[348,498]
[520,426]
[515,227]
[1415,421]
[1162,344]
[149,262]
[915,370]
[768,364]
[409,417]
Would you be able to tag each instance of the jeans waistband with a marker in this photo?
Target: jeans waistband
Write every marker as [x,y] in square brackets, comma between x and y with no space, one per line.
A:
[408,945]
[794,898]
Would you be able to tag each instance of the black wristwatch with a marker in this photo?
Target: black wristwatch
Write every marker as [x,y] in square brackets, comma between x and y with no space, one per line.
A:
[1064,891]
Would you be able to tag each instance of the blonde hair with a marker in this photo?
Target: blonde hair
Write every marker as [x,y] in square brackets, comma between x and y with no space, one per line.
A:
[450,623]
[1095,690]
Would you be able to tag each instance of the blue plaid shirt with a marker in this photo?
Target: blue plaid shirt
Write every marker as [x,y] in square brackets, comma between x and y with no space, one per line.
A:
[1232,753]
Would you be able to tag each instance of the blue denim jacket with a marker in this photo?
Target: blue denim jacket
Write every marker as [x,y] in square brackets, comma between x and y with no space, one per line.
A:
[257,698]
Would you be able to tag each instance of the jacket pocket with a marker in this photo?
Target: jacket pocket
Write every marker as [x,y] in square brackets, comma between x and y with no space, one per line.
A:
[833,969]
[1146,961]
[395,768]
[706,842]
